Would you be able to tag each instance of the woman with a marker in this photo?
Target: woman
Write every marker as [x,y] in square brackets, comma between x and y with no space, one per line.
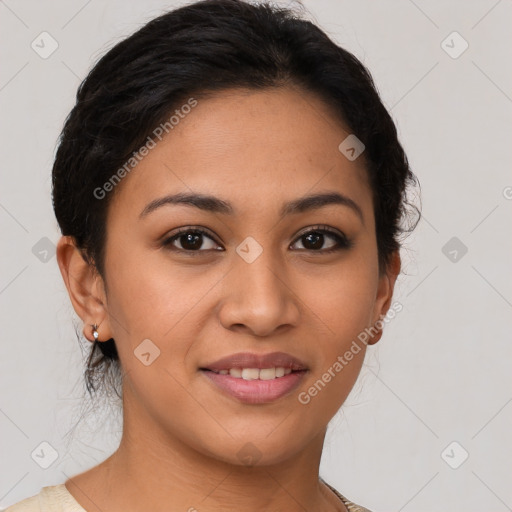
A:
[230,191]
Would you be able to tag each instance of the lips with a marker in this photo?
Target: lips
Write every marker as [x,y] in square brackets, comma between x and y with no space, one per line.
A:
[260,361]
[255,379]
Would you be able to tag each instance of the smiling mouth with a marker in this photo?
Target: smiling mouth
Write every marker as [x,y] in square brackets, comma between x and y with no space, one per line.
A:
[252,378]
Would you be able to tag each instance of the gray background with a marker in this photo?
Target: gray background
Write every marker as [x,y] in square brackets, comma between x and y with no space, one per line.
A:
[440,374]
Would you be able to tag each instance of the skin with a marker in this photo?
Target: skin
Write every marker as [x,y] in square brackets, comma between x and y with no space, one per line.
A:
[181,436]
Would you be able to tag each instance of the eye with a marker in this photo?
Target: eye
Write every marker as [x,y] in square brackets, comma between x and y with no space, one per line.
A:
[191,240]
[314,239]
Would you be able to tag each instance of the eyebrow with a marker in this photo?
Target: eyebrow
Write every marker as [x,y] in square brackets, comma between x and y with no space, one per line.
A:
[215,205]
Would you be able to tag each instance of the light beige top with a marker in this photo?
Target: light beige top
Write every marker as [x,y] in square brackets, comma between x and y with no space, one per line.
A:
[53,498]
[56,498]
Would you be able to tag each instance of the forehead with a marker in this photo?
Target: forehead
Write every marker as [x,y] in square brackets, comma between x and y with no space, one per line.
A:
[252,147]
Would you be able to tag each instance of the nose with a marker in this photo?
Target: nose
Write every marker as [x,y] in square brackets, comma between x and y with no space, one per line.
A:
[258,298]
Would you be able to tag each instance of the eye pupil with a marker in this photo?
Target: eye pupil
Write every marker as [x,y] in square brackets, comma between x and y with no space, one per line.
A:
[192,241]
[315,240]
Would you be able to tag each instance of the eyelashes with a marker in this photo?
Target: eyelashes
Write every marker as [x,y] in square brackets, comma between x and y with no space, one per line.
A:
[192,240]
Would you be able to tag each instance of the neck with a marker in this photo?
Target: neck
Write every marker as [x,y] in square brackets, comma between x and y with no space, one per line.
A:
[151,470]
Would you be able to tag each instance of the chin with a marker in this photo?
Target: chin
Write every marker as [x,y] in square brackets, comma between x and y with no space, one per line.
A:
[260,448]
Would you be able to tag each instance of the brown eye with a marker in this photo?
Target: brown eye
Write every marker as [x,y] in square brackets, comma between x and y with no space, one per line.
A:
[195,240]
[315,240]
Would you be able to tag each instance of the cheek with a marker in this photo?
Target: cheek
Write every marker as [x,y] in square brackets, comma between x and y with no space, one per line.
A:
[342,310]
[341,301]
[151,299]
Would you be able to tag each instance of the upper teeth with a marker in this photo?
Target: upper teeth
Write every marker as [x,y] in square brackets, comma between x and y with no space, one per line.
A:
[256,373]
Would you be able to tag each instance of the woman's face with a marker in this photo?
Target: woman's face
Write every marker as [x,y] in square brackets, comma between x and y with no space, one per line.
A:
[254,283]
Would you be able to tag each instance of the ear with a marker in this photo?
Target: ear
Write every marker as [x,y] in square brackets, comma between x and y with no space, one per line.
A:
[85,288]
[385,290]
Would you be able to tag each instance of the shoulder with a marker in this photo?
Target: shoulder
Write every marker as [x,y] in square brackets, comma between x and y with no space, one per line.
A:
[53,498]
[27,505]
[351,506]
